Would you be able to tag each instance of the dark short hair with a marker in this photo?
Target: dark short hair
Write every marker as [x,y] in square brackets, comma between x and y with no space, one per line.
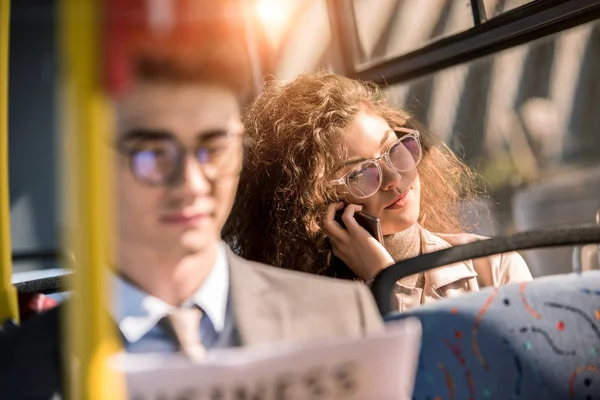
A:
[224,63]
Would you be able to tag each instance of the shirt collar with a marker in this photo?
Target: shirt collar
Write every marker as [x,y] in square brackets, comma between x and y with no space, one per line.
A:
[136,312]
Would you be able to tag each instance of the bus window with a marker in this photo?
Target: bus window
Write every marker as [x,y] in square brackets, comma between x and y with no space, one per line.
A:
[394,28]
[497,7]
[33,136]
[525,119]
[296,36]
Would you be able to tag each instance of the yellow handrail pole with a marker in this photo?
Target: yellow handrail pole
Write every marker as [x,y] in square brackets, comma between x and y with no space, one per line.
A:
[8,295]
[87,123]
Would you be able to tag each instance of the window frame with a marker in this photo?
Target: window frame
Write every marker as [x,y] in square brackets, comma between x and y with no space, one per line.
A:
[515,27]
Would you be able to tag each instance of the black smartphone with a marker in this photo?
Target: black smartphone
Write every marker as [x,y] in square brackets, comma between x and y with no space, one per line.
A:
[369,222]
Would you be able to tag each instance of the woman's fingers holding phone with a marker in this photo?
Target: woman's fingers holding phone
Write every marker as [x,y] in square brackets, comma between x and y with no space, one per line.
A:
[345,229]
[334,231]
[360,251]
[352,225]
[344,226]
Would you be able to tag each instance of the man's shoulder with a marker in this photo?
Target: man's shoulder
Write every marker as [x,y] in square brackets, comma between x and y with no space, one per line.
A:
[38,331]
[36,339]
[320,306]
[31,353]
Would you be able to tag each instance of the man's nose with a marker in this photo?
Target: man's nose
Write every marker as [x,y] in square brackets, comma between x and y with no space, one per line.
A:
[193,178]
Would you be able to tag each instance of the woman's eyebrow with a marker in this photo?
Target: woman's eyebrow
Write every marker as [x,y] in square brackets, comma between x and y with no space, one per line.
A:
[387,134]
[384,141]
[354,160]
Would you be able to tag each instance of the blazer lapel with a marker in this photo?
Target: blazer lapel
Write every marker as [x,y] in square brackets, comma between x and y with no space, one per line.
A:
[258,308]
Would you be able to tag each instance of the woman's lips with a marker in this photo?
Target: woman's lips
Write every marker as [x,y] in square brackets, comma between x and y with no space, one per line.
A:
[400,201]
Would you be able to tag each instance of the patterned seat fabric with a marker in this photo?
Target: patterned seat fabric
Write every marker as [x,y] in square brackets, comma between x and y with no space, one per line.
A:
[537,340]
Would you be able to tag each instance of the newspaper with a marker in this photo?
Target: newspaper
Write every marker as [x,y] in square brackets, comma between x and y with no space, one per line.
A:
[377,367]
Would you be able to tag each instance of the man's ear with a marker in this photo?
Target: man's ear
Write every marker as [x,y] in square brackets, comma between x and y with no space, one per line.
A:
[247,144]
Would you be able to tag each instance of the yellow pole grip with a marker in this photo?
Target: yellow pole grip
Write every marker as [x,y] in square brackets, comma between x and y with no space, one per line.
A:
[8,295]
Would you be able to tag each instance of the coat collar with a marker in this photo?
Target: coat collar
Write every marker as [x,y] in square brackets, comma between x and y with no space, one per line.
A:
[447,274]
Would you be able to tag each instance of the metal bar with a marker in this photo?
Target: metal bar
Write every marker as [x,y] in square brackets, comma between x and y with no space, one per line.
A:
[479,14]
[598,223]
[511,29]
[9,309]
[88,329]
[549,237]
[39,255]
[48,285]
[577,259]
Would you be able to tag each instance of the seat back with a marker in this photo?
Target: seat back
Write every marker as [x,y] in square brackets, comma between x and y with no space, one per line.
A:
[536,340]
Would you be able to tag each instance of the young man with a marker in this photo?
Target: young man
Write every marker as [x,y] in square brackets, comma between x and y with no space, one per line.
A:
[181,146]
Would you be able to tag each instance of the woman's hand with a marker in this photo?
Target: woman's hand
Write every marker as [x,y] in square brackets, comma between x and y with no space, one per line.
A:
[360,251]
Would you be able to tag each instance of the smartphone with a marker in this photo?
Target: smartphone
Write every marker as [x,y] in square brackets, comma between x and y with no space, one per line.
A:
[369,222]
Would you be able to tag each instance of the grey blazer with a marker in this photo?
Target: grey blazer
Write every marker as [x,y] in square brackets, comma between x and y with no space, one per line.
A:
[273,304]
[269,305]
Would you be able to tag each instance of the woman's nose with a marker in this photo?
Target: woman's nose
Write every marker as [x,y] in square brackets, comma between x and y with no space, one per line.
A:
[391,178]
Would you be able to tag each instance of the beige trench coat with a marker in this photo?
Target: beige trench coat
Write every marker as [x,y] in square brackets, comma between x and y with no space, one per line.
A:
[469,276]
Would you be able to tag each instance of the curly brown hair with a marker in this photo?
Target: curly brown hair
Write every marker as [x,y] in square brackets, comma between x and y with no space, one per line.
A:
[297,132]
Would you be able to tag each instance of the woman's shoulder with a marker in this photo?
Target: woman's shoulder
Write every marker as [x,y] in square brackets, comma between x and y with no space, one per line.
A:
[494,270]
[433,241]
[456,239]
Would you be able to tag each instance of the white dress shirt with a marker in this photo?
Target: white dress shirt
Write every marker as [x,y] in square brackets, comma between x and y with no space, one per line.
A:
[137,313]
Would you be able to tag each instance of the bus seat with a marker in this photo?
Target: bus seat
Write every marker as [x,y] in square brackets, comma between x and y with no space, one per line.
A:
[538,340]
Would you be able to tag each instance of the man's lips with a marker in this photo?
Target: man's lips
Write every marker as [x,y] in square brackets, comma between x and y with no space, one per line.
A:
[181,218]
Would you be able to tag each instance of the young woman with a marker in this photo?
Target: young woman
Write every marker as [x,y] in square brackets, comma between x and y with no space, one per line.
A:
[324,143]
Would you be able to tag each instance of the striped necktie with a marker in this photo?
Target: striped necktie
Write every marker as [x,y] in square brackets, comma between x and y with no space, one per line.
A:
[183,325]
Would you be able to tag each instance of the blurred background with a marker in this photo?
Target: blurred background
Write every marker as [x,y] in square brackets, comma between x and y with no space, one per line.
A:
[511,86]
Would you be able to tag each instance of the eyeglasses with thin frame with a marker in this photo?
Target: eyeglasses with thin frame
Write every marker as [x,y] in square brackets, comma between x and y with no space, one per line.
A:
[364,180]
[157,157]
